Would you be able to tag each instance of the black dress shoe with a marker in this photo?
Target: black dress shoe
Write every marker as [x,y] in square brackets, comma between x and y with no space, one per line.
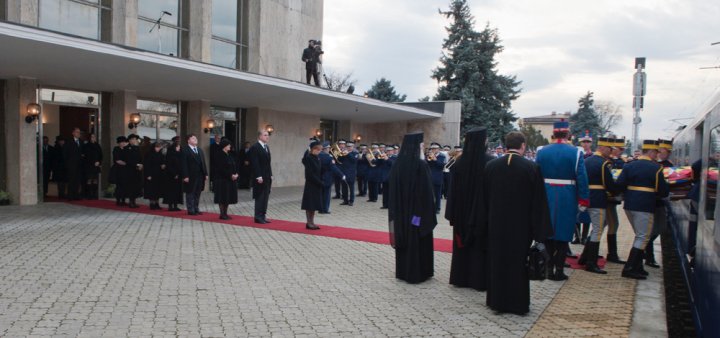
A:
[266,220]
[337,197]
[323,212]
[311,226]
[225,217]
[191,213]
[652,264]
[350,204]
[198,213]
[383,207]
[344,203]
[259,221]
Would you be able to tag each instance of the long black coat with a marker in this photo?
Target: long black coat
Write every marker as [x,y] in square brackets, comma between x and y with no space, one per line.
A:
[312,193]
[72,157]
[260,164]
[58,164]
[243,168]
[153,174]
[194,168]
[131,176]
[92,152]
[172,187]
[224,187]
[517,182]
[118,171]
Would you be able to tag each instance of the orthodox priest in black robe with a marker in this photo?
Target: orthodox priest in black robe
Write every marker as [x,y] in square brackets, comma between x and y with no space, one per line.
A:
[517,214]
[411,212]
[465,211]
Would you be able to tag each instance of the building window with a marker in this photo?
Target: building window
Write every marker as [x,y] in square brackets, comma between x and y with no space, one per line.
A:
[160,27]
[229,34]
[158,120]
[86,18]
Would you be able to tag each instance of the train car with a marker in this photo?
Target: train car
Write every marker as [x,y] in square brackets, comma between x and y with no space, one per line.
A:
[694,218]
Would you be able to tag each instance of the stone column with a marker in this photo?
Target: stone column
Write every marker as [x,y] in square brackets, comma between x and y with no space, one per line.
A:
[23,11]
[124,22]
[21,142]
[200,30]
[124,104]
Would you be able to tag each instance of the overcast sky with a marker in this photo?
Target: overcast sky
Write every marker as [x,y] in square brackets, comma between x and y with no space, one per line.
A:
[559,49]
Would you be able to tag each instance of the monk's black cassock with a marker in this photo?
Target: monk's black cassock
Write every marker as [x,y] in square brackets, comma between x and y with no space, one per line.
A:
[517,214]
[466,212]
[411,213]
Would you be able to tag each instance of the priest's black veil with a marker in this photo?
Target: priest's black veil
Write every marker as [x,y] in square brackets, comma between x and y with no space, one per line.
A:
[466,207]
[410,187]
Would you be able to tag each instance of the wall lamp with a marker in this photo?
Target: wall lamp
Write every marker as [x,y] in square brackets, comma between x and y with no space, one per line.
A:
[134,120]
[269,128]
[33,111]
[358,138]
[318,132]
[209,125]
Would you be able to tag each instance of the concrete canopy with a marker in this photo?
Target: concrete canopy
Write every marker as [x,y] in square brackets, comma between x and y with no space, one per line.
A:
[60,60]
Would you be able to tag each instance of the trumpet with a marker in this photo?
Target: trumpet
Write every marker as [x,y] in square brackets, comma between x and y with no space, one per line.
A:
[370,158]
[382,156]
[430,156]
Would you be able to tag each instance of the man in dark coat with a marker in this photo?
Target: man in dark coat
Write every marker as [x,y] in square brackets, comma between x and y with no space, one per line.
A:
[59,171]
[194,174]
[411,213]
[465,210]
[47,157]
[517,214]
[328,171]
[349,168]
[215,152]
[72,156]
[260,161]
[311,57]
[172,188]
[436,161]
[312,199]
[385,167]
[362,170]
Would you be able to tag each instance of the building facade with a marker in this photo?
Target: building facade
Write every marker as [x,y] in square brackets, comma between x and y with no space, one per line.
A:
[544,123]
[176,67]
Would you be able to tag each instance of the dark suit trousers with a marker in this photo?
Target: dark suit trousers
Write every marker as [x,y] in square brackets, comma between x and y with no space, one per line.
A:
[338,186]
[362,186]
[326,198]
[262,198]
[373,188]
[385,194]
[348,196]
[437,189]
[192,201]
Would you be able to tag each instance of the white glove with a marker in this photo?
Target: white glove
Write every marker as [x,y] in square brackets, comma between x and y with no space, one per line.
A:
[344,178]
[582,208]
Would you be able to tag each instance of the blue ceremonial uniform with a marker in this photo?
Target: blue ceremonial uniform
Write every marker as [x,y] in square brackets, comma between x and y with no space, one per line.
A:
[362,170]
[600,180]
[328,171]
[566,184]
[349,168]
[374,178]
[436,173]
[644,183]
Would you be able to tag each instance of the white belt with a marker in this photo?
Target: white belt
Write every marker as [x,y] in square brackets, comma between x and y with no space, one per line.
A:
[561,182]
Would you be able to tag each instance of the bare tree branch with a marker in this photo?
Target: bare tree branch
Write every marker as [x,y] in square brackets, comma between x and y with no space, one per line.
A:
[610,115]
[339,81]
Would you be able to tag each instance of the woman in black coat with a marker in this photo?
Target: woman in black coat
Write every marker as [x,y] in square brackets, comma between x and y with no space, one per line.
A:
[312,194]
[92,160]
[172,186]
[132,176]
[154,166]
[225,180]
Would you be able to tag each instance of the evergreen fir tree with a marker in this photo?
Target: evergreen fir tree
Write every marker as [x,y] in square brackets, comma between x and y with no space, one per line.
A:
[385,91]
[586,118]
[468,73]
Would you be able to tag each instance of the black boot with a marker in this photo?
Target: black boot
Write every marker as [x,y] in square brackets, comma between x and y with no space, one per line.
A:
[591,258]
[629,271]
[132,204]
[612,255]
[585,230]
[576,234]
[650,256]
[559,261]
[583,259]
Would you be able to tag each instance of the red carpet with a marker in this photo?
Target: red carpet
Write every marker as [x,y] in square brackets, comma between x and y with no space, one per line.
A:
[362,235]
[574,263]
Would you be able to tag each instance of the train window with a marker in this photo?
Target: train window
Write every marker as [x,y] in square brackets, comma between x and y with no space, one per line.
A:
[712,174]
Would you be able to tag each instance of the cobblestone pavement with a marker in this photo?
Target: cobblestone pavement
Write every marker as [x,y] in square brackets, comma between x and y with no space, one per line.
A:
[67,270]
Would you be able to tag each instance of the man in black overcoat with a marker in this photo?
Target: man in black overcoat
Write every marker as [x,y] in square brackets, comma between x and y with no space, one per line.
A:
[194,174]
[259,155]
[72,155]
[47,156]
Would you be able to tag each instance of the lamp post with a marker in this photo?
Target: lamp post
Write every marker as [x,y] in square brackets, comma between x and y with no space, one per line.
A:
[639,90]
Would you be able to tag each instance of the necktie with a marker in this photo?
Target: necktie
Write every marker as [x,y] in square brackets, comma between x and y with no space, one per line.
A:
[195,150]
[77,142]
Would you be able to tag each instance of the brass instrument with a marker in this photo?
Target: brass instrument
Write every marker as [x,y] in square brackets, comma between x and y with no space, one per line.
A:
[370,157]
[382,156]
[336,153]
[431,156]
[453,158]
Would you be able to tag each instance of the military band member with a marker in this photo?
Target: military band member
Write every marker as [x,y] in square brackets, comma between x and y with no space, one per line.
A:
[374,175]
[601,184]
[436,161]
[339,183]
[348,166]
[386,165]
[613,222]
[328,171]
[563,169]
[362,170]
[643,182]
[661,210]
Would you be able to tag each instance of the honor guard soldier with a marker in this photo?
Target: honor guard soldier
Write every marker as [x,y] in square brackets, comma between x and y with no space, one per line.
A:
[362,170]
[436,161]
[386,165]
[348,166]
[329,172]
[661,209]
[601,184]
[339,183]
[613,222]
[644,183]
[374,176]
[582,228]
[563,169]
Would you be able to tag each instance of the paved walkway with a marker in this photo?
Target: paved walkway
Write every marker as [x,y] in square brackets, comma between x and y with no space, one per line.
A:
[67,270]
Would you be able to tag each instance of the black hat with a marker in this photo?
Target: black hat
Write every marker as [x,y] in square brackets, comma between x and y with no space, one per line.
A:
[224,143]
[133,136]
[176,138]
[315,143]
[120,139]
